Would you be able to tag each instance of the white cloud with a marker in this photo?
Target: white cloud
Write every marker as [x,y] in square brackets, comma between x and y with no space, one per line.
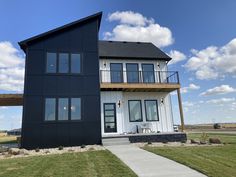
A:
[129,17]
[219,90]
[11,68]
[135,27]
[189,88]
[221,100]
[176,56]
[213,62]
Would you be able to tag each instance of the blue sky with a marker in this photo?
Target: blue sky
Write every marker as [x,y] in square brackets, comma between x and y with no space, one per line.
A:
[199,35]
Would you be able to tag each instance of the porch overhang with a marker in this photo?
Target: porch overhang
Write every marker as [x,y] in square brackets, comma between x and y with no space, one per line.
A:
[139,87]
[11,99]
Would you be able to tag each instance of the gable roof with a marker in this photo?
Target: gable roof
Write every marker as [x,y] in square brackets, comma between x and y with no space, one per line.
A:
[130,50]
[23,44]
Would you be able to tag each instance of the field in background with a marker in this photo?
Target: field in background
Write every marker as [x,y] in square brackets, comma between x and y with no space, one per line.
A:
[5,139]
[214,161]
[209,127]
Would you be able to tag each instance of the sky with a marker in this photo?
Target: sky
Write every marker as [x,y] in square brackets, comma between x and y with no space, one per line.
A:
[200,36]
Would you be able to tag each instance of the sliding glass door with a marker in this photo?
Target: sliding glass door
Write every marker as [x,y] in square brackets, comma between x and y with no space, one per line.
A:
[148,73]
[132,73]
[116,70]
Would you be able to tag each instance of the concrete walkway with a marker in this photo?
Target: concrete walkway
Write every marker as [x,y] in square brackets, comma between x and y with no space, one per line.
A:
[146,164]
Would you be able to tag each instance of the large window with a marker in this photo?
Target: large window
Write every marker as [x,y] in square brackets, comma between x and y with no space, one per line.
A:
[116,72]
[51,63]
[63,63]
[132,73]
[148,73]
[63,109]
[151,110]
[66,109]
[135,111]
[75,109]
[50,109]
[75,63]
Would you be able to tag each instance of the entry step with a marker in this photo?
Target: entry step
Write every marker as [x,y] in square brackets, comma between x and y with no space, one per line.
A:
[115,141]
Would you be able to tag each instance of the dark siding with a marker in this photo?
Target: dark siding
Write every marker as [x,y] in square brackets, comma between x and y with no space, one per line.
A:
[38,85]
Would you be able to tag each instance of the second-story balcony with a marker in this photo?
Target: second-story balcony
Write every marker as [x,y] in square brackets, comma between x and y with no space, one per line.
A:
[163,81]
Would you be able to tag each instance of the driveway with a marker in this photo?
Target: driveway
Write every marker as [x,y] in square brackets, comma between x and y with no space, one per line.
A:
[147,164]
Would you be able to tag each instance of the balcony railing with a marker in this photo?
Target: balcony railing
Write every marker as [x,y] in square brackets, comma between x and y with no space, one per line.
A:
[134,77]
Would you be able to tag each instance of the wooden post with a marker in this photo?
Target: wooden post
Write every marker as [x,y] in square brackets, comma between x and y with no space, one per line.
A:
[180,110]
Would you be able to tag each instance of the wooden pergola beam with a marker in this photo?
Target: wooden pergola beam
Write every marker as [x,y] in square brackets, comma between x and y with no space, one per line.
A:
[11,99]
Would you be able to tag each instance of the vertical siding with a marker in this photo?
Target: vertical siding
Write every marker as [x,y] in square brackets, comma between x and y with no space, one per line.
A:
[165,123]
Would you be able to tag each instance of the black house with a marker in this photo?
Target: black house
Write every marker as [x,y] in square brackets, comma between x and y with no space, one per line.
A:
[61,81]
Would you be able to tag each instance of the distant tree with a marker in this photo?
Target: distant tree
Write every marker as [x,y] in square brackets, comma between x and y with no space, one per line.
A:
[216,126]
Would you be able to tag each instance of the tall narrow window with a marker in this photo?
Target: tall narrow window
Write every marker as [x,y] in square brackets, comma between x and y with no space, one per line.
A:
[50,109]
[135,111]
[63,109]
[75,109]
[63,62]
[75,63]
[132,73]
[148,73]
[51,63]
[116,72]
[151,110]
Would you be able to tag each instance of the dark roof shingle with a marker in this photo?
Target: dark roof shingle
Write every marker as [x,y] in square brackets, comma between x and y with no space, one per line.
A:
[130,50]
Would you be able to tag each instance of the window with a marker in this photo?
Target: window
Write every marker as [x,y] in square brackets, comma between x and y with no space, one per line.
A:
[63,62]
[63,109]
[132,73]
[75,109]
[148,73]
[116,72]
[51,63]
[50,109]
[135,111]
[151,110]
[75,63]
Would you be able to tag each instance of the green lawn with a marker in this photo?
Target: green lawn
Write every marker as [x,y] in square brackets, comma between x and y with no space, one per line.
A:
[84,164]
[213,161]
[7,139]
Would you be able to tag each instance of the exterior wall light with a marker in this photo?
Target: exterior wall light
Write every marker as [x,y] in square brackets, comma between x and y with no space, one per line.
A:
[119,103]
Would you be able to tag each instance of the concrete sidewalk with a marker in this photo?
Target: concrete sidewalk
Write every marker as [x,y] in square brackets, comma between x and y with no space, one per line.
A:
[146,164]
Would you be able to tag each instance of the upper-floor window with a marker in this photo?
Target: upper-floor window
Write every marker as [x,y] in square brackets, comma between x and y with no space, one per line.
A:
[148,73]
[63,63]
[132,72]
[75,63]
[116,72]
[51,62]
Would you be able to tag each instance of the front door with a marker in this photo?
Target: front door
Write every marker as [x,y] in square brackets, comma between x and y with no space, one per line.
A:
[110,117]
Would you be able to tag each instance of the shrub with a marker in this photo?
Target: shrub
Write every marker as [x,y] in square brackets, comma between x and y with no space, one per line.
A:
[37,150]
[91,149]
[214,140]
[149,142]
[193,141]
[60,148]
[203,138]
[216,126]
[83,146]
